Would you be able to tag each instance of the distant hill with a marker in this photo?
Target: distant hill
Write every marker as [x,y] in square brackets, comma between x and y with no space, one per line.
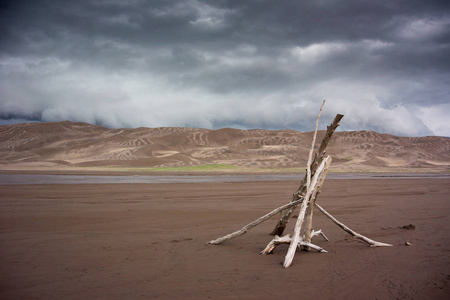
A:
[69,144]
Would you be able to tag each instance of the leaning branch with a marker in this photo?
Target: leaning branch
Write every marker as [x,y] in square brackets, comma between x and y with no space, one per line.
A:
[311,191]
[310,211]
[258,221]
[301,191]
[311,151]
[356,235]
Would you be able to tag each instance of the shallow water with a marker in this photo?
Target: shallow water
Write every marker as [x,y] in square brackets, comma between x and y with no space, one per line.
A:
[14,179]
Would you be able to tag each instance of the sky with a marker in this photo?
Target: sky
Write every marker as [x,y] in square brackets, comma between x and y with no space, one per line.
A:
[247,64]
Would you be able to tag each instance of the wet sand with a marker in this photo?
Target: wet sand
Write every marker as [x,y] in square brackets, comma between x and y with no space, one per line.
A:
[148,241]
[13,179]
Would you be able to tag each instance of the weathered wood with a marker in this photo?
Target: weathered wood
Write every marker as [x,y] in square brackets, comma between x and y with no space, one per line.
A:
[306,196]
[258,221]
[310,209]
[275,242]
[287,240]
[311,190]
[356,235]
[311,150]
[314,233]
[301,191]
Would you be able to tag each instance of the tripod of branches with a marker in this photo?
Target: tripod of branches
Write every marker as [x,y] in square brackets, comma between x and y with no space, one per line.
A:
[305,197]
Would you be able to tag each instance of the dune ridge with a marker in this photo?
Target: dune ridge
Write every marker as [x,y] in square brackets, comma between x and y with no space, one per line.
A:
[74,144]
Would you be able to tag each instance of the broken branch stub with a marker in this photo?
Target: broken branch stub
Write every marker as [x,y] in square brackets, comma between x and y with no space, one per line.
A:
[287,240]
[319,232]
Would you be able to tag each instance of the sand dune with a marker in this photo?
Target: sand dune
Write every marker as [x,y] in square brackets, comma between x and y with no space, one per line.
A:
[69,144]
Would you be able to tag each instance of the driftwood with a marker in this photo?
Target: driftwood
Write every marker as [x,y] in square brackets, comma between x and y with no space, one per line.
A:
[312,191]
[356,235]
[305,196]
[287,240]
[308,233]
[319,232]
[311,150]
[301,191]
[258,221]
[310,208]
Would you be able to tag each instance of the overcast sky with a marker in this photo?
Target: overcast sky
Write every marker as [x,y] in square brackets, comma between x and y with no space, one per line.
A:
[248,64]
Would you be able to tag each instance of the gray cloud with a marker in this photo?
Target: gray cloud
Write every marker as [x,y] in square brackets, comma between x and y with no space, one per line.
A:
[248,64]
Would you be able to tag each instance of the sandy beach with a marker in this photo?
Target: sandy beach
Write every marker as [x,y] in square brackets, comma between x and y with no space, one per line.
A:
[148,241]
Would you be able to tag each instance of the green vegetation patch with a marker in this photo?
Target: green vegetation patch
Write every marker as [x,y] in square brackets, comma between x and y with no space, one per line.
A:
[199,168]
[348,158]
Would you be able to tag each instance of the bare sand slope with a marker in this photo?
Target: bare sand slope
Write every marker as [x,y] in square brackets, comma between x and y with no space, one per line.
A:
[147,241]
[47,145]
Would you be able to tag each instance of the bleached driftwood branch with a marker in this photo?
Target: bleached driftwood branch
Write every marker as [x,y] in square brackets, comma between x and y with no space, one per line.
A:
[258,221]
[314,233]
[310,208]
[310,211]
[287,240]
[311,150]
[311,191]
[356,235]
[301,191]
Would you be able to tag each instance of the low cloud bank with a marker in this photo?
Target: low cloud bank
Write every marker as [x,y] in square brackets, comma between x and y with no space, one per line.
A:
[262,64]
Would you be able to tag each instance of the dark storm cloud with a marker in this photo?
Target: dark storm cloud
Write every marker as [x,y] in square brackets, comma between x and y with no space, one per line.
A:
[212,63]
